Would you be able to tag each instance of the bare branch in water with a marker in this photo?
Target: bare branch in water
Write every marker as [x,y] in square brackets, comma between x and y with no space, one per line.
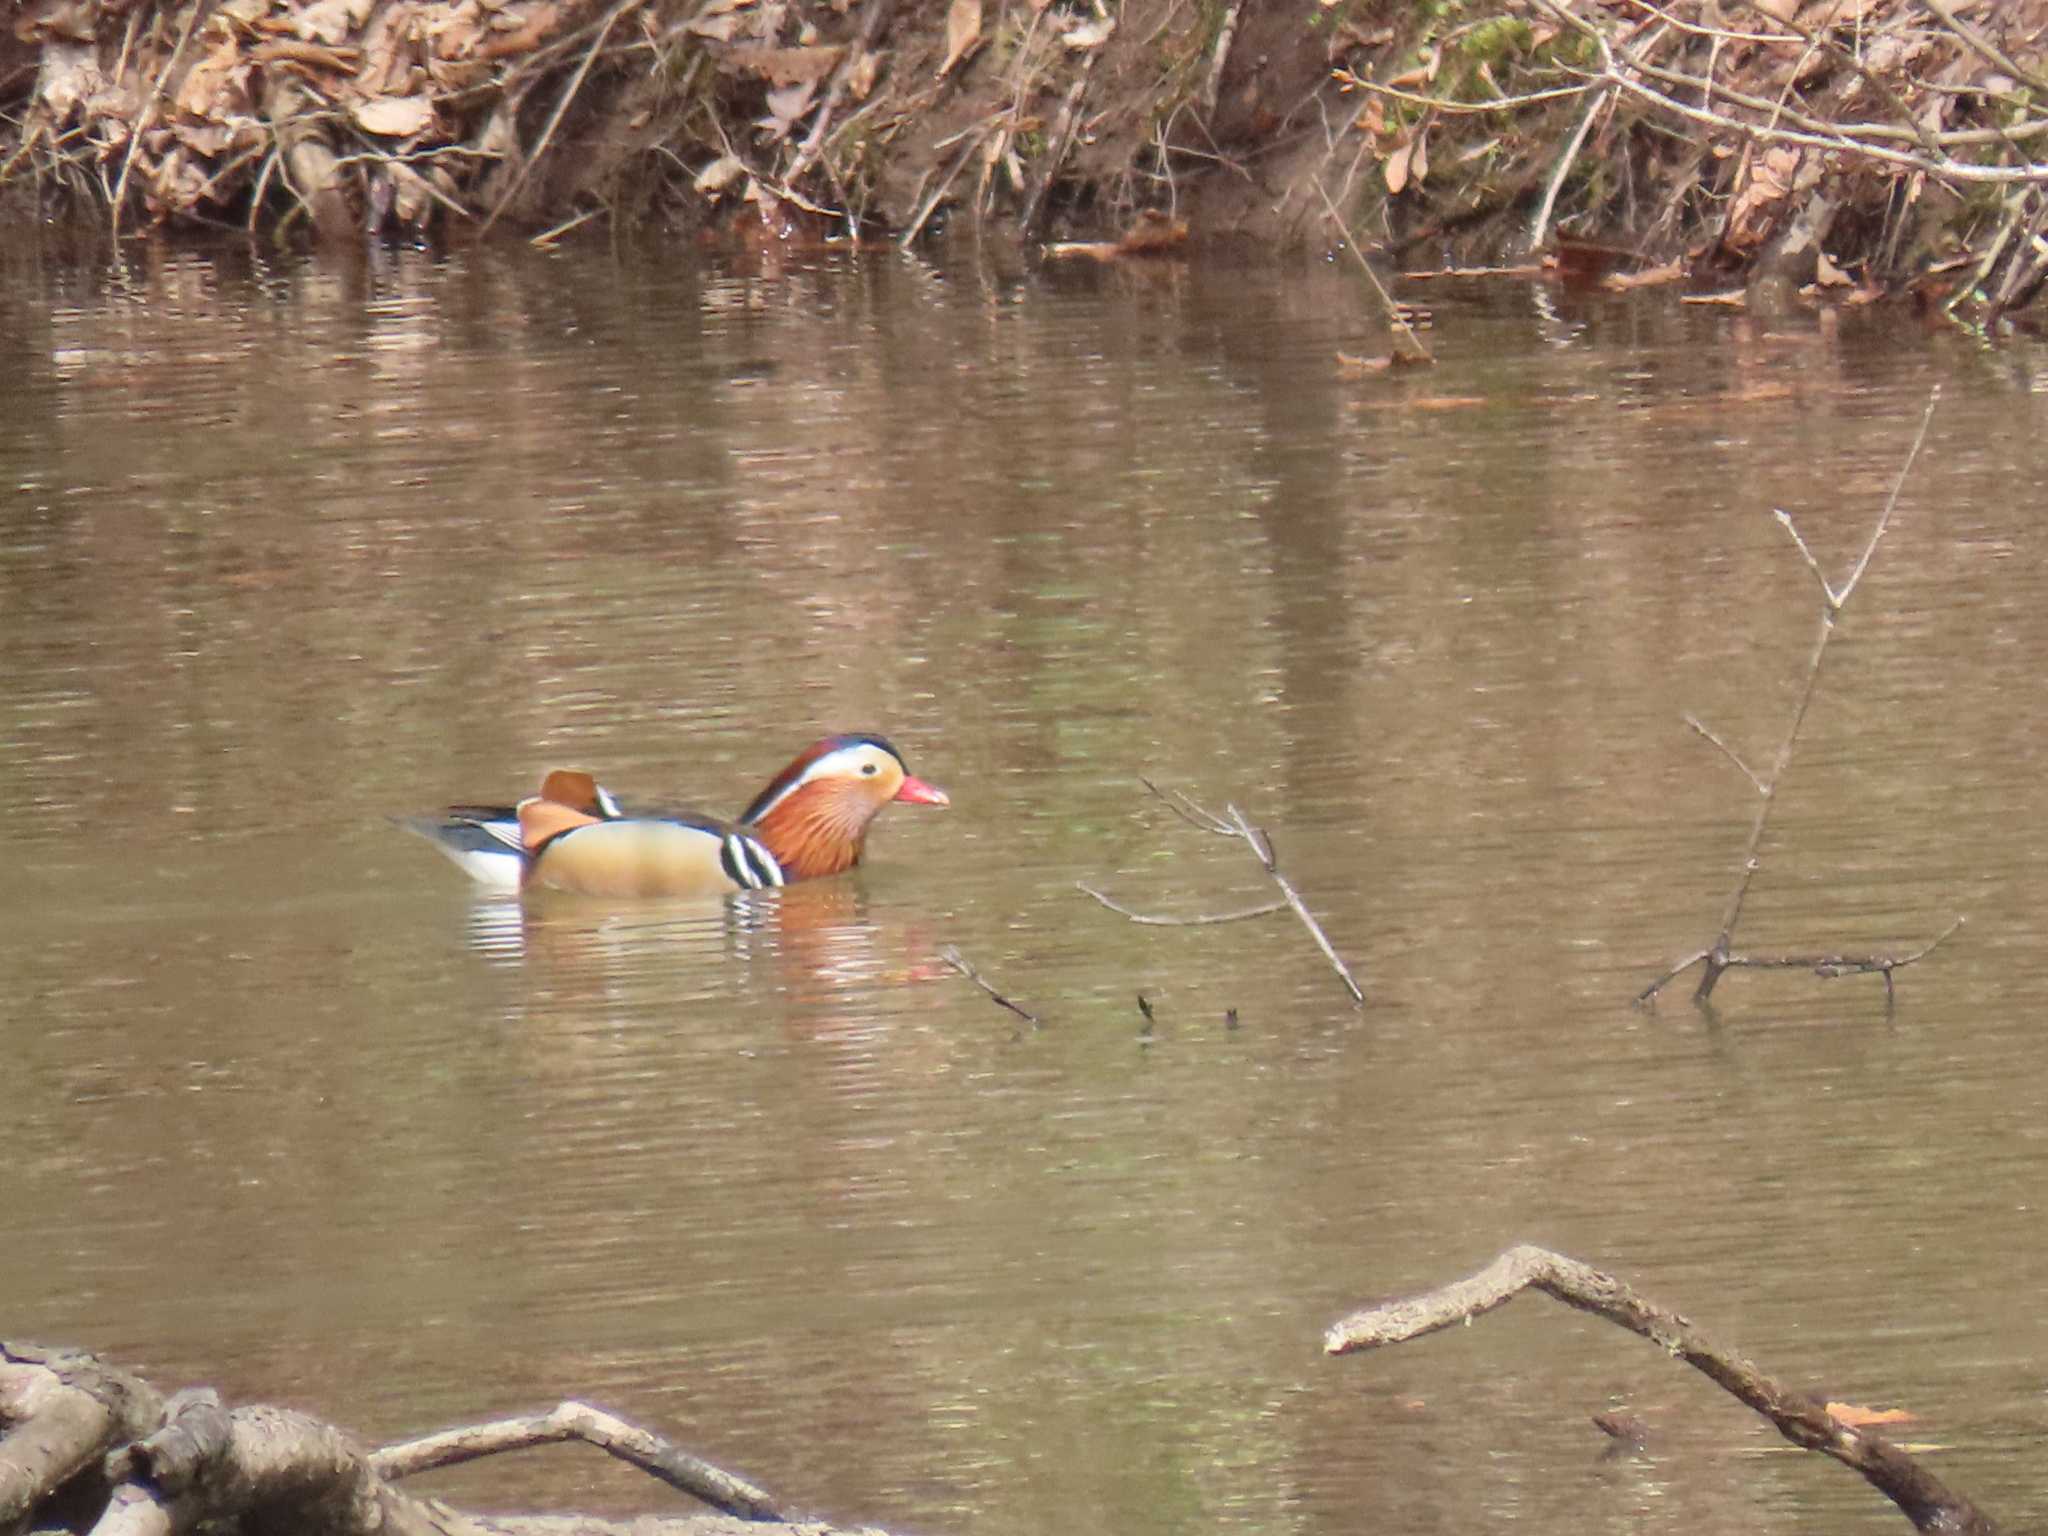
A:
[1923,1498]
[1158,920]
[1233,823]
[1720,956]
[960,963]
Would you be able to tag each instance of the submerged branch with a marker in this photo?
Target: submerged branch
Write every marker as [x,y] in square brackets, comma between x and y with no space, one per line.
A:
[1923,1498]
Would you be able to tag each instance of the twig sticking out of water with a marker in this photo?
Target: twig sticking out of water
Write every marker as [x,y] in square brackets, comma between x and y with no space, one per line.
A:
[1396,320]
[1232,823]
[1921,1497]
[1721,956]
[960,963]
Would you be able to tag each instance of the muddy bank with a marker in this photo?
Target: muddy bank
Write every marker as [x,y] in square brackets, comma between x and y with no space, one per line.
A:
[1852,146]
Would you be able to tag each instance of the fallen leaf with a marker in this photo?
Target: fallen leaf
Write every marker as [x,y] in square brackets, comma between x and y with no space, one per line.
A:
[1091,35]
[860,80]
[719,174]
[69,74]
[329,21]
[784,66]
[1828,275]
[1418,163]
[1858,1417]
[963,33]
[1649,277]
[525,37]
[1096,250]
[1395,170]
[1349,367]
[1152,232]
[785,107]
[394,117]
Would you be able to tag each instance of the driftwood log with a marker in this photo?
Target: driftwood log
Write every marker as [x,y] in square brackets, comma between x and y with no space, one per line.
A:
[1922,1497]
[85,1446]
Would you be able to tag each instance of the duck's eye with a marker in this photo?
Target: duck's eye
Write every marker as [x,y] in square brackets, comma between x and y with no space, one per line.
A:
[870,769]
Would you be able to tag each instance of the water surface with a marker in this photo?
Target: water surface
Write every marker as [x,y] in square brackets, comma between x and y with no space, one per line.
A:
[291,548]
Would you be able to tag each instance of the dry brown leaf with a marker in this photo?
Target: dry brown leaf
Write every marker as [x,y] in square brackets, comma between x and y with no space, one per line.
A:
[202,82]
[69,74]
[963,33]
[1095,250]
[1418,163]
[330,21]
[860,80]
[1858,1417]
[455,30]
[719,174]
[1395,170]
[1350,367]
[1152,232]
[387,52]
[538,26]
[784,66]
[394,117]
[1417,403]
[457,74]
[71,20]
[1091,34]
[208,139]
[1649,277]
[311,55]
[785,106]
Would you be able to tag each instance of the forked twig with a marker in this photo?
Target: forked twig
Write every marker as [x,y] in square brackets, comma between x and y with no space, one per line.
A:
[1748,772]
[1160,920]
[1720,956]
[1805,1421]
[1233,823]
[960,963]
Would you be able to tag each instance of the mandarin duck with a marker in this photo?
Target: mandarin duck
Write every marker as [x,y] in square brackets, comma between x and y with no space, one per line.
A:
[811,820]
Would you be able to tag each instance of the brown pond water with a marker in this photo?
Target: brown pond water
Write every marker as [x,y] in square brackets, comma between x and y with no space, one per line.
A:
[287,549]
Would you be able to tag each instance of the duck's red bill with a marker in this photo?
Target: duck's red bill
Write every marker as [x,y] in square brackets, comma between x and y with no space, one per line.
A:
[917,792]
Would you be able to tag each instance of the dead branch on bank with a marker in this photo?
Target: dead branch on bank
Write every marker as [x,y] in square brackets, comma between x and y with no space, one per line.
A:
[1233,824]
[1720,956]
[1922,1497]
[89,1446]
[1871,98]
